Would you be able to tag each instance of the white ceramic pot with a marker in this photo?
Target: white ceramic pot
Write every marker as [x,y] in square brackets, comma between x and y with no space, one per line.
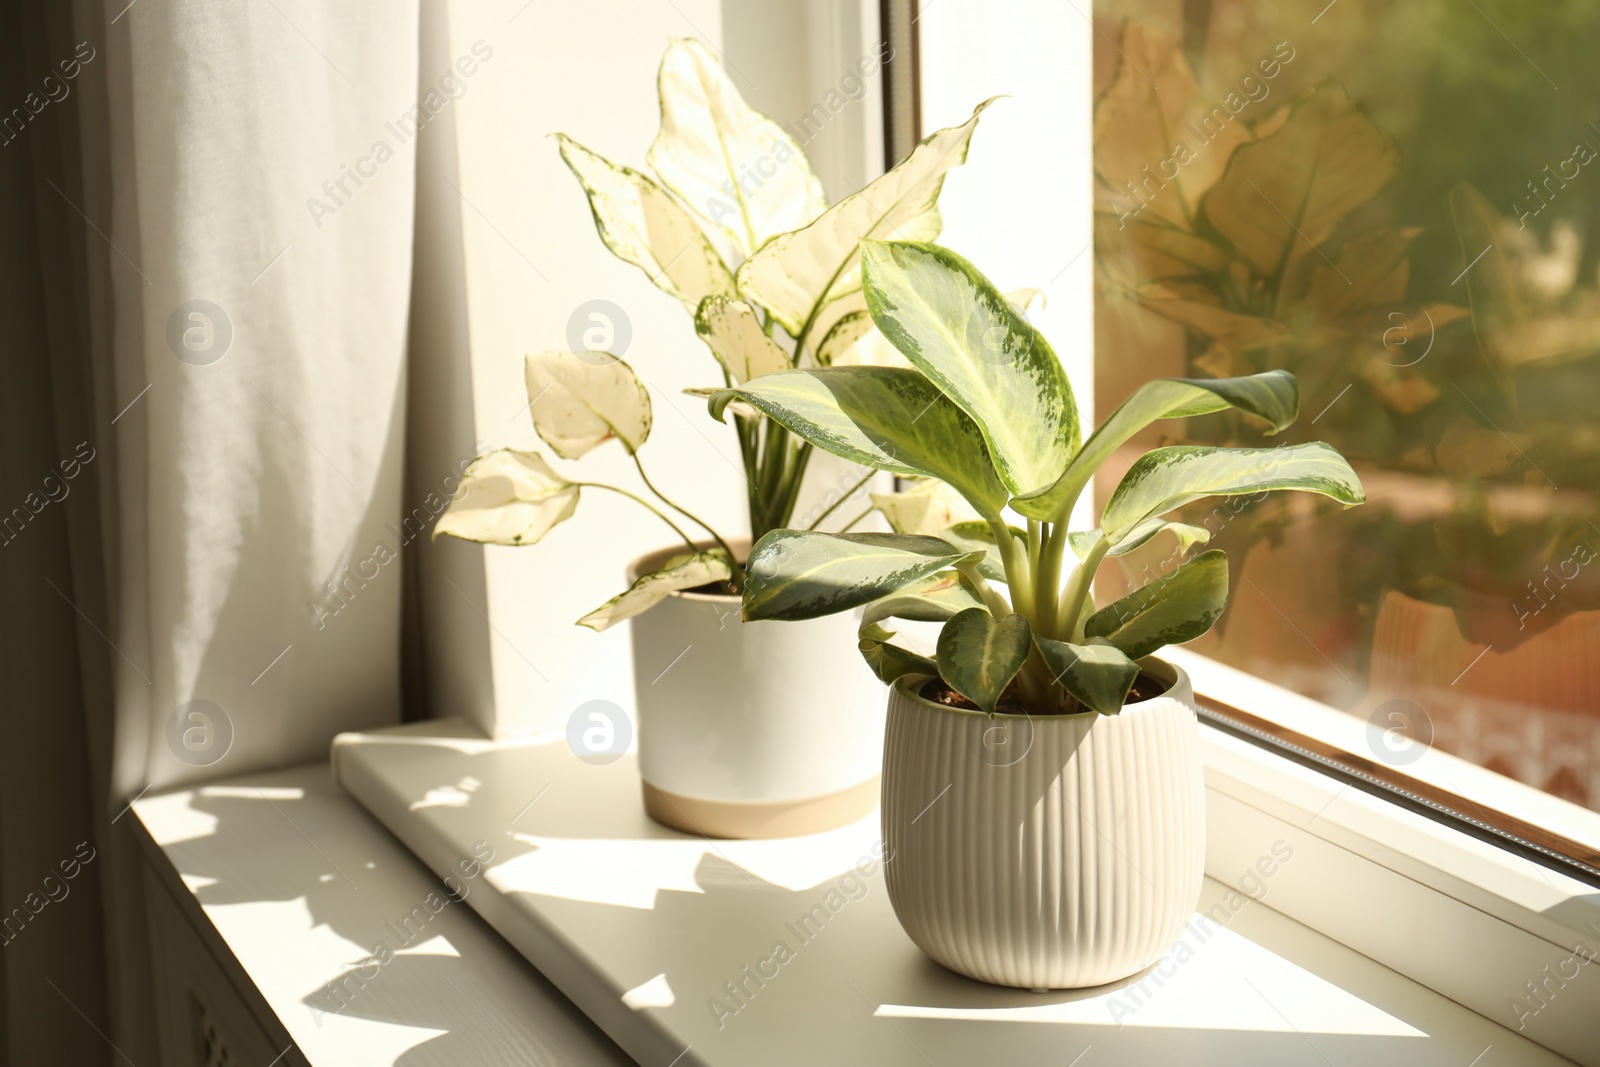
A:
[1051,852]
[752,729]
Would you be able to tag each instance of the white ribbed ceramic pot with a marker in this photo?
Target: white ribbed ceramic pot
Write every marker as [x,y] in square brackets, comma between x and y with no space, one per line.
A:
[752,729]
[1051,852]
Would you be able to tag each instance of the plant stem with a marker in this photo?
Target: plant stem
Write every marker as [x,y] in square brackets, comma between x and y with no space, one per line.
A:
[733,561]
[1048,582]
[794,476]
[843,497]
[641,500]
[1069,615]
[1017,567]
[997,605]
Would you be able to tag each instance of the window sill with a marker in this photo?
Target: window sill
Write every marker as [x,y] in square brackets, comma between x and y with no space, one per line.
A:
[266,894]
[643,928]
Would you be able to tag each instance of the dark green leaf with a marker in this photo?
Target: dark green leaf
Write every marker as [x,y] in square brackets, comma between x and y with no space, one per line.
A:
[979,655]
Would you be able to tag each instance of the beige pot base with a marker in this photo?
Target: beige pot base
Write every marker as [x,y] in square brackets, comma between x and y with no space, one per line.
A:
[750,819]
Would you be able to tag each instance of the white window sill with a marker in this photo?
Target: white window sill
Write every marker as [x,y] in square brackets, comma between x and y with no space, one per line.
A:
[1402,921]
[264,896]
[642,928]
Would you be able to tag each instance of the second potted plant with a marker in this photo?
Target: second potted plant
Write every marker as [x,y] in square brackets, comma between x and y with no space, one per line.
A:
[1043,796]
[742,731]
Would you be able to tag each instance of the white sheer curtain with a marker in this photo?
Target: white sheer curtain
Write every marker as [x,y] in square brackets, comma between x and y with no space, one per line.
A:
[240,185]
[255,214]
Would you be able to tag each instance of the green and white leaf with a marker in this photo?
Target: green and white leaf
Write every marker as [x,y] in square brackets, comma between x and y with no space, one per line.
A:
[1166,478]
[706,392]
[891,662]
[949,320]
[712,142]
[882,417]
[681,572]
[978,655]
[1171,610]
[1188,536]
[508,497]
[794,274]
[579,403]
[929,507]
[1273,396]
[732,330]
[800,574]
[641,223]
[1097,674]
[843,336]
[931,599]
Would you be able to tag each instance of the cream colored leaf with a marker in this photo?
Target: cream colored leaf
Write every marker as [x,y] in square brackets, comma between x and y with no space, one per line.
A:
[855,342]
[681,572]
[792,275]
[732,330]
[508,498]
[641,223]
[1022,299]
[930,508]
[582,399]
[740,170]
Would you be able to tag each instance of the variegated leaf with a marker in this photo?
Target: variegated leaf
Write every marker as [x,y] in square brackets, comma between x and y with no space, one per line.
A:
[890,662]
[800,574]
[931,599]
[1272,396]
[732,330]
[950,321]
[687,571]
[795,274]
[1166,478]
[1097,673]
[508,497]
[581,400]
[881,417]
[1171,610]
[641,223]
[978,655]
[733,165]
[1188,536]
[929,507]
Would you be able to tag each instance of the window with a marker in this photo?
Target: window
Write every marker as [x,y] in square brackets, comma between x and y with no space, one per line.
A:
[1395,202]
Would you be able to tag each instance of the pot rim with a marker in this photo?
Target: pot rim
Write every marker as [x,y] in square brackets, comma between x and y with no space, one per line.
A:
[652,560]
[903,686]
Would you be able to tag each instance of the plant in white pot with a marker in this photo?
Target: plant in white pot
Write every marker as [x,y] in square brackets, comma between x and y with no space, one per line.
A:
[1042,789]
[744,729]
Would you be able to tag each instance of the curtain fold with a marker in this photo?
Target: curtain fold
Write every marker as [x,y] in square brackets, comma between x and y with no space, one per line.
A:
[209,228]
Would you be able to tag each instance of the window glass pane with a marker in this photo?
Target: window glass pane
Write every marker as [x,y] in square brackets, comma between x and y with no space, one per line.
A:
[1401,204]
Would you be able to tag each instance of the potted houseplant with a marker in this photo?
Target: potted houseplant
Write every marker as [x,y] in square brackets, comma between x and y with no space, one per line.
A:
[1042,788]
[747,734]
